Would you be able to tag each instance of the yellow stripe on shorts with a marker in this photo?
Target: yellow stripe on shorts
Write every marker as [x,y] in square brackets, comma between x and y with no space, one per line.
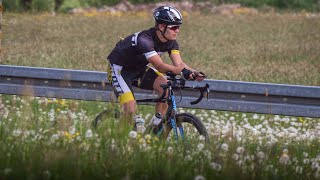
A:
[154,69]
[175,52]
[125,97]
[158,73]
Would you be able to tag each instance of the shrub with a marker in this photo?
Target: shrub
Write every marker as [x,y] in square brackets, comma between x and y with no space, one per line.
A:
[67,5]
[42,5]
[99,3]
[12,5]
[280,4]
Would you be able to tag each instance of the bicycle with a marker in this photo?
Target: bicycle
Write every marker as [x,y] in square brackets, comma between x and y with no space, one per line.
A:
[173,120]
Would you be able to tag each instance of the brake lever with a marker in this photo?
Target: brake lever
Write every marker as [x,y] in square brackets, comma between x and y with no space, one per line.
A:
[208,96]
[202,90]
[208,91]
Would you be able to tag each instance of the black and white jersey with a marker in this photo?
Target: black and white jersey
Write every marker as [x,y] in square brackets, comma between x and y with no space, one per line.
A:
[133,51]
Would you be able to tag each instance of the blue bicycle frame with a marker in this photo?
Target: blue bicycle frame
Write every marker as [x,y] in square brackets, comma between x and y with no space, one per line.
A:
[171,114]
[170,117]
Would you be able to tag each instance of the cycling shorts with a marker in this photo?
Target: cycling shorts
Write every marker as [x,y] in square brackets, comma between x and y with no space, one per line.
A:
[123,79]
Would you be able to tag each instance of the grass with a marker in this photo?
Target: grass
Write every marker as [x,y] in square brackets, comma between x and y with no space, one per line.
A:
[53,139]
[44,138]
[275,48]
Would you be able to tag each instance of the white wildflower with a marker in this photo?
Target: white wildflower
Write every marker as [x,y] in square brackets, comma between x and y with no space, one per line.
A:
[239,163]
[260,155]
[263,130]
[188,157]
[255,116]
[89,133]
[113,145]
[17,132]
[240,150]
[133,134]
[199,177]
[51,115]
[277,118]
[248,158]
[170,150]
[216,166]
[213,112]
[235,157]
[286,151]
[224,147]
[72,130]
[200,146]
[55,137]
[314,165]
[202,138]
[306,161]
[299,169]
[207,154]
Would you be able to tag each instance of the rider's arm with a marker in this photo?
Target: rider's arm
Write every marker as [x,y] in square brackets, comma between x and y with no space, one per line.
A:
[177,61]
[157,62]
[146,47]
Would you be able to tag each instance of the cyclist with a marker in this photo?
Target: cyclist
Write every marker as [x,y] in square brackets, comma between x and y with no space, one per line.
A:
[129,62]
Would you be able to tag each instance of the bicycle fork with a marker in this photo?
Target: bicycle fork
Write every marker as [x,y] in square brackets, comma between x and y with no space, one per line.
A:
[173,122]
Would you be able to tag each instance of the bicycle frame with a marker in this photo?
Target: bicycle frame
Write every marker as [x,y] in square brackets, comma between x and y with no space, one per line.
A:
[169,120]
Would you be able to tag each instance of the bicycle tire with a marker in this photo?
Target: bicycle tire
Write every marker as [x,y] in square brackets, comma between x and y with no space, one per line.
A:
[102,116]
[183,118]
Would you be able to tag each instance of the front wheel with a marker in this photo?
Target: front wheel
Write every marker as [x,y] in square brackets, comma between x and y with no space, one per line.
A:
[191,125]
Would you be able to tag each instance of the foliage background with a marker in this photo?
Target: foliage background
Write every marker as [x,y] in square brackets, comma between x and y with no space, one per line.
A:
[65,5]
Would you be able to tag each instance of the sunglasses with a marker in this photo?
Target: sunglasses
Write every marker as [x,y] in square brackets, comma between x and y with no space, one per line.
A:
[173,27]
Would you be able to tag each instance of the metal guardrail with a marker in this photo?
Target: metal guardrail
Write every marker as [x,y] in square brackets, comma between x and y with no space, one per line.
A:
[281,99]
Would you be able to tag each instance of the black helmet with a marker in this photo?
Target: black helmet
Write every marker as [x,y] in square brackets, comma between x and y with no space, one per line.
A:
[167,15]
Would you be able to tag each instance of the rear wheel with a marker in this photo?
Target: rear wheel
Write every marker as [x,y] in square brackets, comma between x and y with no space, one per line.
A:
[192,127]
[104,116]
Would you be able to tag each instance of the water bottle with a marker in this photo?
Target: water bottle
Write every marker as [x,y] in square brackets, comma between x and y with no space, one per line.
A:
[156,119]
[139,123]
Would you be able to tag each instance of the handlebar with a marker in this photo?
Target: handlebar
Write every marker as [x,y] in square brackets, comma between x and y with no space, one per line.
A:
[178,83]
[202,91]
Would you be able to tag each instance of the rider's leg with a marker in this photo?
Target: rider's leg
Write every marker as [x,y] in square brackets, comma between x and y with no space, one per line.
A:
[121,81]
[160,107]
[128,110]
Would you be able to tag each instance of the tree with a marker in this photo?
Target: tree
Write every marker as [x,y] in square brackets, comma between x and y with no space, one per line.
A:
[26,4]
[57,4]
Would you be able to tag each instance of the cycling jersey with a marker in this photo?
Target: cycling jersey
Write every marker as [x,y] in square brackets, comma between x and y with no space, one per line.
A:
[132,52]
[128,62]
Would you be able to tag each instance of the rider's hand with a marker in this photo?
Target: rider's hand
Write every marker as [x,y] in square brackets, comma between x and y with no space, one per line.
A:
[198,75]
[187,74]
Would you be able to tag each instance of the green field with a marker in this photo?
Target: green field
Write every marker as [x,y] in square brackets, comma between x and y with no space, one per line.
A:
[44,138]
[276,48]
